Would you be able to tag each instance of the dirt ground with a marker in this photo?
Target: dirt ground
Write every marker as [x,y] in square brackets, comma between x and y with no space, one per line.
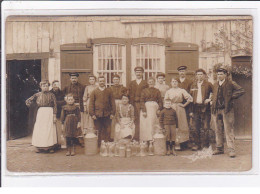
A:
[22,158]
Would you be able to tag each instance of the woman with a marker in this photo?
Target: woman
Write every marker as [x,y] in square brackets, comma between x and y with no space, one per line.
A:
[177,95]
[160,85]
[88,123]
[44,133]
[151,104]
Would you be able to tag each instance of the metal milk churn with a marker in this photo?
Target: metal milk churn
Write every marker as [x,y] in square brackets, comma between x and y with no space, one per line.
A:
[111,149]
[159,143]
[103,148]
[116,149]
[91,143]
[151,149]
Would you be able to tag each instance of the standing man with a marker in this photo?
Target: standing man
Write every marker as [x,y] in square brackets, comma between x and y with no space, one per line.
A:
[184,82]
[135,89]
[201,91]
[224,93]
[60,102]
[77,90]
[102,109]
[117,91]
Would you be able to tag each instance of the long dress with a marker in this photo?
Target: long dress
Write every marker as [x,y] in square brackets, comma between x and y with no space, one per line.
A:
[177,95]
[44,132]
[151,101]
[124,126]
[70,116]
[88,121]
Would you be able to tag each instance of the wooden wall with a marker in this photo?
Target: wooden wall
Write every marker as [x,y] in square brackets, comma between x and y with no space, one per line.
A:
[46,34]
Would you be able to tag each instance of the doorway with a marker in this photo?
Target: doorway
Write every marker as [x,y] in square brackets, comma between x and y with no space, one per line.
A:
[23,78]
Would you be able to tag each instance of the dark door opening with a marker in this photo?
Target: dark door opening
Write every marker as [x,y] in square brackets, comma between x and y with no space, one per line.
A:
[23,78]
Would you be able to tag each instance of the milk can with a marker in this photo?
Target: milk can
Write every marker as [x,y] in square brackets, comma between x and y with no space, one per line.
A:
[128,151]
[116,149]
[103,148]
[121,151]
[111,149]
[151,149]
[159,144]
[91,143]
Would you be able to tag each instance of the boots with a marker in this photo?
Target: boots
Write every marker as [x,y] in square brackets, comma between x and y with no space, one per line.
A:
[73,150]
[177,146]
[172,149]
[218,151]
[68,151]
[168,148]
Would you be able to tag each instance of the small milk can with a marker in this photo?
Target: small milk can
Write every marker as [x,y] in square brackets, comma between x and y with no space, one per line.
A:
[128,151]
[116,149]
[159,144]
[111,149]
[91,143]
[150,149]
[121,151]
[142,149]
[103,148]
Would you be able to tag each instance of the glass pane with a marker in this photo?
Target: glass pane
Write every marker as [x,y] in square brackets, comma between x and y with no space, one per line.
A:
[150,63]
[99,51]
[99,64]
[137,51]
[158,65]
[154,51]
[146,65]
[120,51]
[120,64]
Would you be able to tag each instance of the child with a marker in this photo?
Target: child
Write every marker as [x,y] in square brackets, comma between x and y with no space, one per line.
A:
[125,127]
[70,118]
[169,122]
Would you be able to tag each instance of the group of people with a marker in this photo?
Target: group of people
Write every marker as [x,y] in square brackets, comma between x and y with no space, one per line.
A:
[183,111]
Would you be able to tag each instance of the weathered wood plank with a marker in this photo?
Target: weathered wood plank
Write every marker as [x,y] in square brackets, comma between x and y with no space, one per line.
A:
[45,37]
[51,38]
[96,29]
[81,33]
[63,32]
[33,37]
[39,37]
[135,30]
[9,37]
[69,26]
[20,37]
[57,38]
[199,34]
[89,31]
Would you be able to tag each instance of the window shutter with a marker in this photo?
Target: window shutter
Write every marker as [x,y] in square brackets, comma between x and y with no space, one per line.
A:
[177,54]
[76,58]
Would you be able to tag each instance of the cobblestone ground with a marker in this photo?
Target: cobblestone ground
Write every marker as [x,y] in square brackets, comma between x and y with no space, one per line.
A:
[22,158]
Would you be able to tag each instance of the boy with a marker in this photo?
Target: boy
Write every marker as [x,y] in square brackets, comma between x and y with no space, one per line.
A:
[169,122]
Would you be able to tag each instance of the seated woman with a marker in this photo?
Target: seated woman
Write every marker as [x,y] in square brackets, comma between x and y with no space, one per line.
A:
[124,127]
[177,95]
[44,133]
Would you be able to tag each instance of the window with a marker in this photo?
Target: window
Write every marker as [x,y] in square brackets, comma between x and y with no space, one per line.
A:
[110,59]
[150,56]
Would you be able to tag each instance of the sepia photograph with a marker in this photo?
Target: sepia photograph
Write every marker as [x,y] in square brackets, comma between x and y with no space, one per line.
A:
[128,93]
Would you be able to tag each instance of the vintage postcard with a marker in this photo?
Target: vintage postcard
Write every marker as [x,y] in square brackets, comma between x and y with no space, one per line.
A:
[128,93]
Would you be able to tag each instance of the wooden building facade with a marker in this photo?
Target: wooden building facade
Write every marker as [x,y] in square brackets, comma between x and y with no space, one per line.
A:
[116,44]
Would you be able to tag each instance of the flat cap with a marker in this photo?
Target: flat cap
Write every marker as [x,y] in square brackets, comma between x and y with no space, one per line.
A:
[139,69]
[74,74]
[222,69]
[160,75]
[183,67]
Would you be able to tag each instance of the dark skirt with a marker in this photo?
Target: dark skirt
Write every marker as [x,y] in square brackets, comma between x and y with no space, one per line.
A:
[70,126]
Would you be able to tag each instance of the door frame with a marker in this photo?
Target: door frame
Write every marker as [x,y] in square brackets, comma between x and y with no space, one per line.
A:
[44,57]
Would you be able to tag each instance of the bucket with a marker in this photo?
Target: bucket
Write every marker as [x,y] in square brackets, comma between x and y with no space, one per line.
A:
[91,143]
[159,144]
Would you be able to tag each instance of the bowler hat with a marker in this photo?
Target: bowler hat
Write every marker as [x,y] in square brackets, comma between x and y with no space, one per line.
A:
[139,69]
[183,67]
[74,74]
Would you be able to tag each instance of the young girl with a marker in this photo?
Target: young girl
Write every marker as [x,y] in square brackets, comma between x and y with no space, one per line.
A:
[70,118]
[44,133]
[125,127]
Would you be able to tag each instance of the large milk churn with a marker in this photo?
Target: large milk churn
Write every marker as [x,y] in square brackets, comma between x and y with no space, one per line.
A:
[159,143]
[91,143]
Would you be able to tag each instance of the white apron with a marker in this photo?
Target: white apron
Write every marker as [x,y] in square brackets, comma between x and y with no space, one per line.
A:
[113,123]
[147,125]
[44,132]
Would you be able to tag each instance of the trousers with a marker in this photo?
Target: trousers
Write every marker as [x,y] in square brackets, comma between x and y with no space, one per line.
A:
[137,108]
[103,126]
[228,129]
[170,132]
[200,126]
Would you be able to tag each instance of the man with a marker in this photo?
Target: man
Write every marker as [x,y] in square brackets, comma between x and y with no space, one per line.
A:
[60,102]
[77,90]
[184,82]
[224,93]
[135,89]
[117,91]
[102,109]
[201,91]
